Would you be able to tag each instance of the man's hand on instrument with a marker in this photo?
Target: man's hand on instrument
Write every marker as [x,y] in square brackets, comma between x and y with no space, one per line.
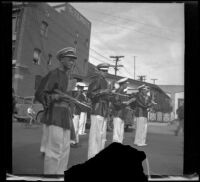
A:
[125,102]
[106,91]
[55,96]
[149,109]
[129,101]
[153,102]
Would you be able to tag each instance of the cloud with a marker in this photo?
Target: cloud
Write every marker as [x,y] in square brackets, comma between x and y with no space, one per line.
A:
[153,32]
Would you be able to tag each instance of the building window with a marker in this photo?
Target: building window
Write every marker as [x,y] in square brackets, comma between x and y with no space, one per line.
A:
[49,59]
[36,56]
[76,38]
[44,28]
[14,24]
[38,79]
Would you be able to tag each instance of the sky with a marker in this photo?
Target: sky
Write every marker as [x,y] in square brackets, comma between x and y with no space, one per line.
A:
[152,34]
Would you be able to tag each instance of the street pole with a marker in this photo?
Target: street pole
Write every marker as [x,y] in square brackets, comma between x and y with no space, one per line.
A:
[116,62]
[134,67]
[154,80]
[142,78]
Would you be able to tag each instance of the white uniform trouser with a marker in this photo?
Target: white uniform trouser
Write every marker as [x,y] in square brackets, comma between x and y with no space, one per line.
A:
[82,122]
[118,130]
[57,150]
[76,126]
[44,138]
[97,135]
[141,130]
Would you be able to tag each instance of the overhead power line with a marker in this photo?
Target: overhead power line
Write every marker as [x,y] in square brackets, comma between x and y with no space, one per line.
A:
[116,63]
[132,20]
[100,54]
[70,34]
[102,61]
[105,43]
[100,21]
[128,72]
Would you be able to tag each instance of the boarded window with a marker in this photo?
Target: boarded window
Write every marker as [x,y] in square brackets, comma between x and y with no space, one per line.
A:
[38,79]
[36,56]
[44,28]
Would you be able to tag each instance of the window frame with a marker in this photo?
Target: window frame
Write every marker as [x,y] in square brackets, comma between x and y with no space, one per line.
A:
[44,28]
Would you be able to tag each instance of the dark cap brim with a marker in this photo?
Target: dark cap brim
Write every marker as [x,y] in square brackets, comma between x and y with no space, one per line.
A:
[72,56]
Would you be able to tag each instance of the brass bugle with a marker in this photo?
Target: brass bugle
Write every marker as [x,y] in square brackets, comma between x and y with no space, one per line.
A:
[71,98]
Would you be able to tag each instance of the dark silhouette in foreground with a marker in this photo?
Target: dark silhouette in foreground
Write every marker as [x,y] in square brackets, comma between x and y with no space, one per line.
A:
[117,161]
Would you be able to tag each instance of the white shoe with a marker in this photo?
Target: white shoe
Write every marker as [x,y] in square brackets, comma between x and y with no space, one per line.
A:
[83,134]
[72,142]
[140,145]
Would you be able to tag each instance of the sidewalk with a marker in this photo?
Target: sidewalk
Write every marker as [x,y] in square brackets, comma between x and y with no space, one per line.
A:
[162,128]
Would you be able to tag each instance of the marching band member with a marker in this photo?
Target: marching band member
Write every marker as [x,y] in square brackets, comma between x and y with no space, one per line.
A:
[119,111]
[83,116]
[142,104]
[97,92]
[57,116]
[180,113]
[77,111]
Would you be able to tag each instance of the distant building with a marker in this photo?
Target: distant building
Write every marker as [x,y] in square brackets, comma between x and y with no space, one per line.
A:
[164,101]
[176,93]
[38,32]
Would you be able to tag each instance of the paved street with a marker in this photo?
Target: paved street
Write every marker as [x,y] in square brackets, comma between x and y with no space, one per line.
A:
[164,150]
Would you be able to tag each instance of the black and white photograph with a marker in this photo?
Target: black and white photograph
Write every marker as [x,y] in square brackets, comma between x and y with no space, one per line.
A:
[86,75]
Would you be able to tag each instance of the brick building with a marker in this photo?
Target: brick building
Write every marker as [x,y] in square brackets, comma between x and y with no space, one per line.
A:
[38,32]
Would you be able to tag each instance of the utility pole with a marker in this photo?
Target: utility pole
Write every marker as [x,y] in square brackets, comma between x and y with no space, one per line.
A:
[142,78]
[154,80]
[116,63]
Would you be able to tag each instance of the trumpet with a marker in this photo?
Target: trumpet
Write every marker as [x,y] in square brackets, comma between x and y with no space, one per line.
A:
[65,96]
